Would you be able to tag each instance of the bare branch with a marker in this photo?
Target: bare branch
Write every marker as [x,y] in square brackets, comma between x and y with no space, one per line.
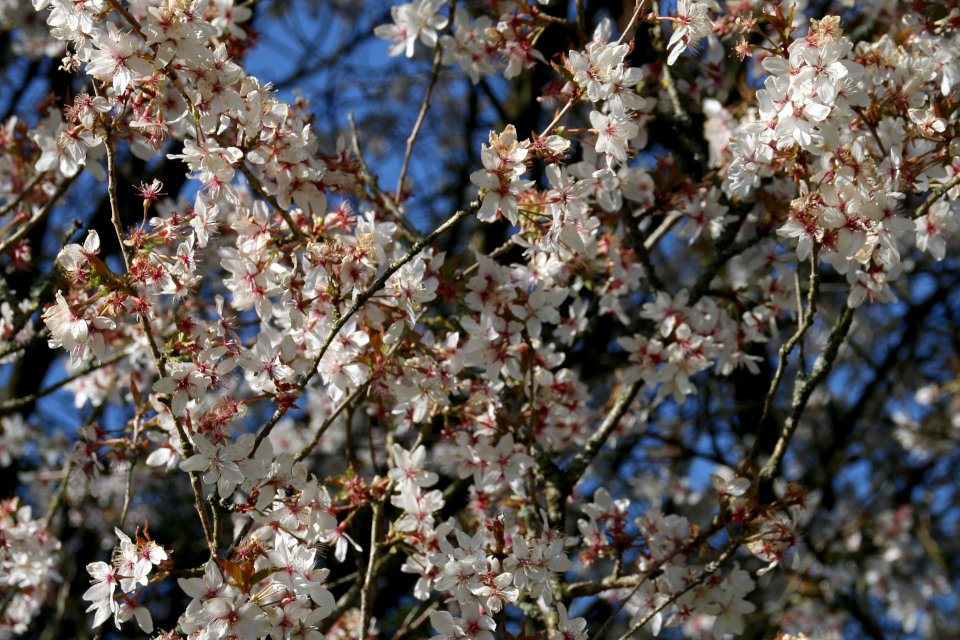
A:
[11,406]
[412,138]
[935,195]
[710,569]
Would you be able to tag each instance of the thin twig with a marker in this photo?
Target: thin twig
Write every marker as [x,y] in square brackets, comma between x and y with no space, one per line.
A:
[128,489]
[11,406]
[39,293]
[17,199]
[35,219]
[369,578]
[632,23]
[805,386]
[310,446]
[682,123]
[643,255]
[170,70]
[580,462]
[371,181]
[159,358]
[60,493]
[708,571]
[389,561]
[590,588]
[254,182]
[873,130]
[935,195]
[585,456]
[496,253]
[668,223]
[407,626]
[412,138]
[786,349]
[559,116]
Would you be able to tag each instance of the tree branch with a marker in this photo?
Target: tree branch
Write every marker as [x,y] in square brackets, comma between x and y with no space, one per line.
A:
[805,386]
[35,219]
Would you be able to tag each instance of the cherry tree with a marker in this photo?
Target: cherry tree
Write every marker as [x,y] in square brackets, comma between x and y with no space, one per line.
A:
[480,320]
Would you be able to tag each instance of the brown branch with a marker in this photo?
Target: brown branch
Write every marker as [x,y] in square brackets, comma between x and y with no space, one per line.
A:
[585,456]
[370,576]
[159,358]
[407,626]
[128,485]
[805,386]
[309,447]
[632,23]
[434,75]
[680,119]
[643,254]
[638,579]
[350,597]
[787,348]
[169,69]
[668,223]
[370,179]
[708,571]
[17,199]
[35,219]
[556,120]
[385,563]
[935,195]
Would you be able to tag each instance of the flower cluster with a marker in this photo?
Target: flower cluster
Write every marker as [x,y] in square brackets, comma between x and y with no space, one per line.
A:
[302,362]
[690,340]
[412,21]
[600,74]
[129,571]
[28,566]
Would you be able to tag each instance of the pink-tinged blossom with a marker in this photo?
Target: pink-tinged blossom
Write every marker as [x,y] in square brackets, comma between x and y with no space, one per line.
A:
[116,58]
[691,25]
[614,133]
[409,472]
[412,21]
[218,463]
